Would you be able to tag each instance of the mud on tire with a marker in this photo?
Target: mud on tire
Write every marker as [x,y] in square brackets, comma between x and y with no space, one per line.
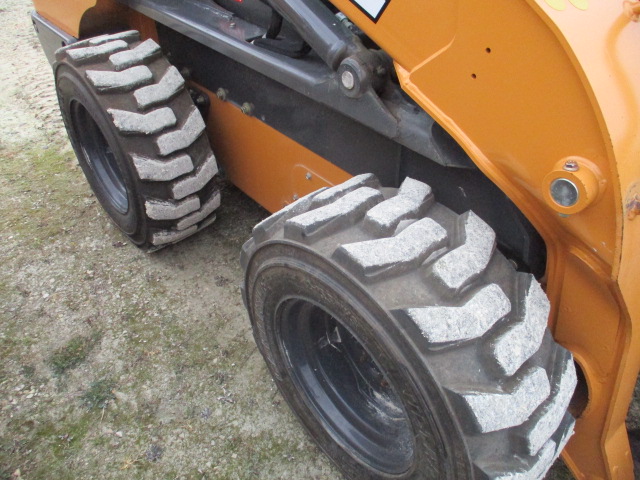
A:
[138,137]
[405,343]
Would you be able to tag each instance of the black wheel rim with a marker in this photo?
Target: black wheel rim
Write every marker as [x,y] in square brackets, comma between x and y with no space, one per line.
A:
[345,387]
[100,157]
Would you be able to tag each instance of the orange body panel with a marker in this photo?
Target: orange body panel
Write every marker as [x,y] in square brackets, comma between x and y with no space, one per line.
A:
[86,18]
[66,14]
[521,85]
[266,165]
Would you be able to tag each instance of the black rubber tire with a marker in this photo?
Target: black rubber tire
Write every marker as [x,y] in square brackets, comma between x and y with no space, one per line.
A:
[138,137]
[347,291]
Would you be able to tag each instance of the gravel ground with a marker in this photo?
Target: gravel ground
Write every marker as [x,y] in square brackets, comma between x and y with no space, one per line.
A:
[117,364]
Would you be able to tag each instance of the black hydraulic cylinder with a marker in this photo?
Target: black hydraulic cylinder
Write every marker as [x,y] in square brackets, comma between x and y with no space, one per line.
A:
[327,36]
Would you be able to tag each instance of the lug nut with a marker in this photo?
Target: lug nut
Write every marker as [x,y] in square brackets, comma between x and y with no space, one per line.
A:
[348,80]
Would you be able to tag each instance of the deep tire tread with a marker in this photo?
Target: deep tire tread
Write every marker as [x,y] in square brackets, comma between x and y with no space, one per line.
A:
[518,408]
[160,128]
[142,53]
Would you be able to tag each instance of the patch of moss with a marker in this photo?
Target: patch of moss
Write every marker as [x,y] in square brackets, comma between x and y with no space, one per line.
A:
[73,353]
[29,214]
[99,394]
[40,447]
[28,371]
[261,455]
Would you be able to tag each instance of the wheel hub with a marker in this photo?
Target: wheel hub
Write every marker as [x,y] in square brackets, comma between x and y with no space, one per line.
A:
[100,157]
[345,387]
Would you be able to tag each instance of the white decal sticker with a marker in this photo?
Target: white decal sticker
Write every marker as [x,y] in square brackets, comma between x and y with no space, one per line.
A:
[373,8]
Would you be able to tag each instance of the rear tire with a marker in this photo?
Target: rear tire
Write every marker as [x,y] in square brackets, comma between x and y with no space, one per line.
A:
[138,137]
[408,347]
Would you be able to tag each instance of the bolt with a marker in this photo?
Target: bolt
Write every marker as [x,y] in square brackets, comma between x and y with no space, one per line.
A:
[308,176]
[222,93]
[571,166]
[232,25]
[348,80]
[295,196]
[201,100]
[247,108]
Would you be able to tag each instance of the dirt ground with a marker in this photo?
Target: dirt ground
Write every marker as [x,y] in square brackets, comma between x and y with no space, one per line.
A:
[114,363]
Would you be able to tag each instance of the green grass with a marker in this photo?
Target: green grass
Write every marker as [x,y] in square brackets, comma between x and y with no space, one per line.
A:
[42,182]
[99,394]
[41,446]
[73,353]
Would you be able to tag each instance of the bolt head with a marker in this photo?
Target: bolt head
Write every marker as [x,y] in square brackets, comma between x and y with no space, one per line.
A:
[221,93]
[246,108]
[348,80]
[571,166]
[308,176]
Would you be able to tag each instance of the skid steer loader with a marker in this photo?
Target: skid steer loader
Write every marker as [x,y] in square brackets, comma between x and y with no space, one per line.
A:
[448,285]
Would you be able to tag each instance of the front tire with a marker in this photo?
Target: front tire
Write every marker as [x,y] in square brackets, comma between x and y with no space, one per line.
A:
[138,137]
[407,346]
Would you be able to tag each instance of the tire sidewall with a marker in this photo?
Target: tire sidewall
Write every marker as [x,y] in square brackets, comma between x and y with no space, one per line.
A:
[280,271]
[72,87]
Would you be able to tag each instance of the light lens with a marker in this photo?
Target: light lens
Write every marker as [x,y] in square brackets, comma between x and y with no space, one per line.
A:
[564,192]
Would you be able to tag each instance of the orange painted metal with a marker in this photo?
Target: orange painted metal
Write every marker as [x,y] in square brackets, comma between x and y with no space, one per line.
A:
[266,165]
[584,175]
[87,18]
[521,86]
[600,41]
[66,14]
